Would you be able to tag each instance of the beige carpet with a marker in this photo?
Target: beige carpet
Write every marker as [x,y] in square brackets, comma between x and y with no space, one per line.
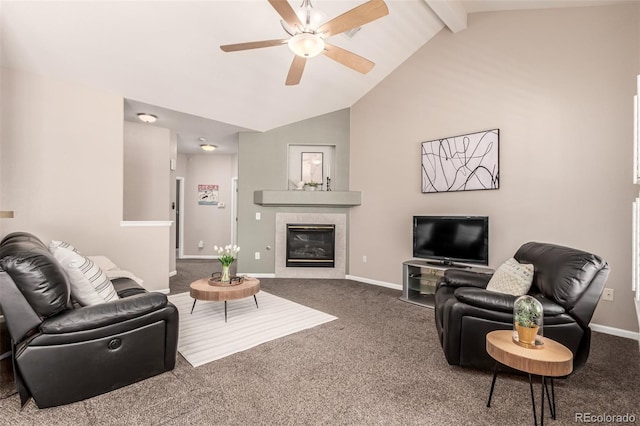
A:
[205,337]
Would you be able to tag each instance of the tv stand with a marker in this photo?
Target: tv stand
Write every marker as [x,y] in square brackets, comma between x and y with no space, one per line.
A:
[420,277]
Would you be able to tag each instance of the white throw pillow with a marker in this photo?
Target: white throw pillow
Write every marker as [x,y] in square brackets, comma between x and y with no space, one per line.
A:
[512,278]
[89,284]
[54,244]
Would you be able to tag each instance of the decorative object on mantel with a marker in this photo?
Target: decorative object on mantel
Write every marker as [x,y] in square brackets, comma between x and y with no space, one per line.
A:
[297,186]
[312,186]
[527,322]
[328,183]
[461,163]
[226,256]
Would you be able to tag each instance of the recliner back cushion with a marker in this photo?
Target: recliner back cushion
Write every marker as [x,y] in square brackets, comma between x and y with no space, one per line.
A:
[561,273]
[40,278]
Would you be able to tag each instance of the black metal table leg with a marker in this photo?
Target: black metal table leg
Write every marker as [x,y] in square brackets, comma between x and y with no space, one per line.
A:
[493,383]
[256,300]
[543,386]
[533,402]
[225,311]
[194,304]
[551,398]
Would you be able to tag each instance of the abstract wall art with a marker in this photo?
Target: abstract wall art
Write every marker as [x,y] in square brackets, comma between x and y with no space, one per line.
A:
[461,163]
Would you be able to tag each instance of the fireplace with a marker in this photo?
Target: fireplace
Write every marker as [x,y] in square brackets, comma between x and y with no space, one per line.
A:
[310,245]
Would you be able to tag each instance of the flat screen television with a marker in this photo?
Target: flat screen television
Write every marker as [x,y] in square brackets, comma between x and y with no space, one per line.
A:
[451,239]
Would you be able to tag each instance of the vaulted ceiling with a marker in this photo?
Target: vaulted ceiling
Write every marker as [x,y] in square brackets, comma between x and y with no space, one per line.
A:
[165,55]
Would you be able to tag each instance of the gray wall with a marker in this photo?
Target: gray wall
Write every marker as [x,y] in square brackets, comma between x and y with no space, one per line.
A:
[262,161]
[559,85]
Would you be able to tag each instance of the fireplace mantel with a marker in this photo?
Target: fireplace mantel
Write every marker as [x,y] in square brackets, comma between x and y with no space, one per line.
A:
[307,198]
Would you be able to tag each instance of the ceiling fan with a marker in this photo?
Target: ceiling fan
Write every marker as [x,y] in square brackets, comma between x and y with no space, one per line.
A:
[308,40]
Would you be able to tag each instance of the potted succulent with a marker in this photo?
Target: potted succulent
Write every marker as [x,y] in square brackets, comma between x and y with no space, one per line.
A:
[527,318]
[311,186]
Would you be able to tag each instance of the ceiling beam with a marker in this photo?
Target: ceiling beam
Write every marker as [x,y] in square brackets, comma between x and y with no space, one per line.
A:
[451,12]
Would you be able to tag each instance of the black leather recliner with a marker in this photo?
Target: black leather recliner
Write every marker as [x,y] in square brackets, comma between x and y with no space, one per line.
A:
[63,354]
[568,283]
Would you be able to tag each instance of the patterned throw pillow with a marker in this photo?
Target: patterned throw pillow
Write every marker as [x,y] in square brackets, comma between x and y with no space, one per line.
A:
[512,278]
[89,284]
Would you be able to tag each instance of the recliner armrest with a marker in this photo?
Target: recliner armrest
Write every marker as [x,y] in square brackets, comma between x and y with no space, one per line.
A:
[96,316]
[461,278]
[501,302]
[486,299]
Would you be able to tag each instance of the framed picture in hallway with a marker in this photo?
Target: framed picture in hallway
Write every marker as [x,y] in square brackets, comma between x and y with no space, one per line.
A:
[461,163]
[208,195]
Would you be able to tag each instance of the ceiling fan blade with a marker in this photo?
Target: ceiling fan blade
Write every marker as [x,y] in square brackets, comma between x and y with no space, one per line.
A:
[356,17]
[295,71]
[348,59]
[251,45]
[287,13]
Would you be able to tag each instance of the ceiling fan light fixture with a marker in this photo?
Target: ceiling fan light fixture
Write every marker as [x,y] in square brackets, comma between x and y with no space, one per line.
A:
[147,118]
[306,45]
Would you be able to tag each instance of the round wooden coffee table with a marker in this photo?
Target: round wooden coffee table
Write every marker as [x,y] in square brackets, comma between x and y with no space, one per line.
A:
[203,290]
[553,359]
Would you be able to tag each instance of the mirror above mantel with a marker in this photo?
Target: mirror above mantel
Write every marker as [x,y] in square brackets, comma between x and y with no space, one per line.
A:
[311,164]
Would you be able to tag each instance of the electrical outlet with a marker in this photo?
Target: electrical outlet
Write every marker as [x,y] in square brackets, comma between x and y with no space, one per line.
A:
[364,259]
[257,255]
[607,294]
[258,216]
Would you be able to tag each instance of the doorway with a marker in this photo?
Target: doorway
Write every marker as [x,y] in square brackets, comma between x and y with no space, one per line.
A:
[179,217]
[234,210]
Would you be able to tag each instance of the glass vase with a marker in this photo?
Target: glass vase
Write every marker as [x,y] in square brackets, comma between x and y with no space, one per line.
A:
[527,322]
[226,277]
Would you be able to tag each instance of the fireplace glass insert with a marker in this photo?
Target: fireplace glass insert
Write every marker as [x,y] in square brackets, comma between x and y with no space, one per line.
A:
[311,245]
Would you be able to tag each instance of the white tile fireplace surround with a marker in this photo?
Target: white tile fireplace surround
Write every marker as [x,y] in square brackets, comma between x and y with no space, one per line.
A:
[340,222]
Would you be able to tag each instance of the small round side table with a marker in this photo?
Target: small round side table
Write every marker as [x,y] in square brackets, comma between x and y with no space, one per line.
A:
[552,360]
[203,290]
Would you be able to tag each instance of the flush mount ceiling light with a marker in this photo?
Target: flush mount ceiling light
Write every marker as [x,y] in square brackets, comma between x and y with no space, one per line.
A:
[206,146]
[147,118]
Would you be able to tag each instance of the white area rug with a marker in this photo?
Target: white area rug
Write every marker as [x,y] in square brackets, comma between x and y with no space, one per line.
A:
[205,337]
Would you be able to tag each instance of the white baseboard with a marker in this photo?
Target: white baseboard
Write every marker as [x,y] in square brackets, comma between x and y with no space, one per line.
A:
[615,331]
[374,282]
[173,274]
[163,291]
